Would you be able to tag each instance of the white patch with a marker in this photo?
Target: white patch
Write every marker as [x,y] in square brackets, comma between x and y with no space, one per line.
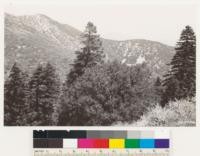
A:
[140,60]
[18,47]
[123,61]
[136,45]
[23,46]
[129,64]
[126,52]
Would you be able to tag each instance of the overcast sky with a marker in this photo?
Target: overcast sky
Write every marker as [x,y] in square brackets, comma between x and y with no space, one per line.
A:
[162,23]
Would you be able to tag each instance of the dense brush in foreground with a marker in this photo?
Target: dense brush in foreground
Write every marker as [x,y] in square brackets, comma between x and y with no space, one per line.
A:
[176,113]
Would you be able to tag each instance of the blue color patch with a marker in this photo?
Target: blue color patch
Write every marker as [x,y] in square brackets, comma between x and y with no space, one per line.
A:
[147,143]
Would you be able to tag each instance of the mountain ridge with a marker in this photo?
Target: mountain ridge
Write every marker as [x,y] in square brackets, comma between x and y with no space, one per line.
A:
[38,38]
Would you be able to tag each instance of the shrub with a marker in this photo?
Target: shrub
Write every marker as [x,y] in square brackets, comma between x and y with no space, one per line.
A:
[176,113]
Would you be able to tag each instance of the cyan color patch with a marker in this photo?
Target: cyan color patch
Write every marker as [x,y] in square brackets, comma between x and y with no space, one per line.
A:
[147,143]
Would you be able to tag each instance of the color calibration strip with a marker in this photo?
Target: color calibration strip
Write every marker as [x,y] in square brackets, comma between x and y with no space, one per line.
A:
[101,139]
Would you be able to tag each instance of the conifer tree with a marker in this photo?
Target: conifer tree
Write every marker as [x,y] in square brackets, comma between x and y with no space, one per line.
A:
[51,82]
[35,95]
[158,82]
[90,54]
[15,98]
[44,86]
[158,90]
[180,80]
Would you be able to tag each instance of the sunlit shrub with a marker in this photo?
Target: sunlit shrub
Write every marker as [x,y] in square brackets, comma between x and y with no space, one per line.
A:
[176,113]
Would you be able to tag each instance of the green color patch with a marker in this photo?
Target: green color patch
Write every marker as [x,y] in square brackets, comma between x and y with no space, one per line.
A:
[132,143]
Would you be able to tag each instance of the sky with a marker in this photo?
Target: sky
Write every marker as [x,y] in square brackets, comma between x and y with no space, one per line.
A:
[157,22]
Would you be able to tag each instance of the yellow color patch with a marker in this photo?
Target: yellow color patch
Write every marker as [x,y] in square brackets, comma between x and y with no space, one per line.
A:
[116,143]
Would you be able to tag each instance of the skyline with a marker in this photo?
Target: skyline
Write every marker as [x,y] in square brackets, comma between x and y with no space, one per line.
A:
[156,22]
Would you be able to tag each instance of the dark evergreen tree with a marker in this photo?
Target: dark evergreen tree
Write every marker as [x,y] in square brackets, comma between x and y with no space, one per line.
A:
[44,87]
[158,90]
[35,96]
[51,97]
[180,80]
[15,98]
[90,54]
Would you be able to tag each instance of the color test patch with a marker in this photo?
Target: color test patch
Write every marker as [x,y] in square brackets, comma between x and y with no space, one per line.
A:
[147,143]
[101,143]
[66,134]
[55,143]
[132,143]
[70,143]
[116,143]
[147,134]
[162,143]
[40,143]
[133,134]
[85,143]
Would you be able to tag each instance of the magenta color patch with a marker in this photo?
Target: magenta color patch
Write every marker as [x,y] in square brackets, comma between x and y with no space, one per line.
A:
[85,143]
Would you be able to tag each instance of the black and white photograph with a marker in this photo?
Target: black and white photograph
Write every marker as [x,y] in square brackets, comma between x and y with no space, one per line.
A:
[100,65]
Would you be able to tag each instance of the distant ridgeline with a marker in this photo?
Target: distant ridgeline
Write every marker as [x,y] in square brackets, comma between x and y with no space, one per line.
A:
[31,40]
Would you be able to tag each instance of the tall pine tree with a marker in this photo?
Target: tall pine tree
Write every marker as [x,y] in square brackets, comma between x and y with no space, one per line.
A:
[52,84]
[90,54]
[35,96]
[158,90]
[44,87]
[180,80]
[15,98]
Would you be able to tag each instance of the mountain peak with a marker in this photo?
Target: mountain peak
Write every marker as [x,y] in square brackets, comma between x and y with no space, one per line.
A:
[41,16]
[37,38]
